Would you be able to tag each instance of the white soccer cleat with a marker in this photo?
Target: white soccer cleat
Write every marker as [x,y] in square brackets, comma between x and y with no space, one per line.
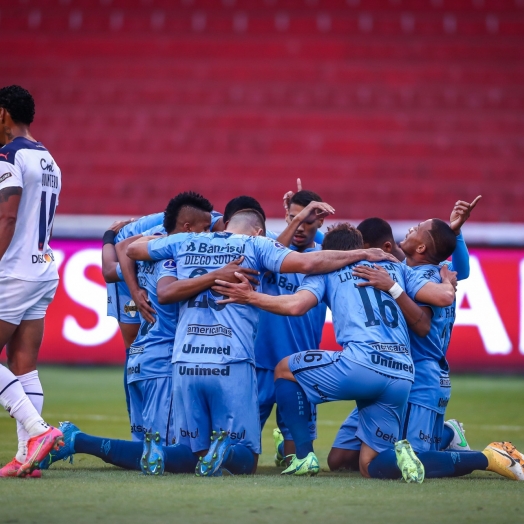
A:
[459,442]
[504,459]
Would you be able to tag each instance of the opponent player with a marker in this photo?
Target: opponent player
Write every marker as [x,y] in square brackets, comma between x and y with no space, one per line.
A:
[375,367]
[213,377]
[30,183]
[280,336]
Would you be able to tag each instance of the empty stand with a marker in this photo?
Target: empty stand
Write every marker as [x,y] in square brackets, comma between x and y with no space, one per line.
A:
[393,108]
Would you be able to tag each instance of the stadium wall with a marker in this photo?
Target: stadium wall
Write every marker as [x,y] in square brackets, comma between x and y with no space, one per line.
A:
[488,334]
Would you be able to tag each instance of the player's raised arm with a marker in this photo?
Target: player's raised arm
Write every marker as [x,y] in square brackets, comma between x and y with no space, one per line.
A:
[9,202]
[418,318]
[173,290]
[243,293]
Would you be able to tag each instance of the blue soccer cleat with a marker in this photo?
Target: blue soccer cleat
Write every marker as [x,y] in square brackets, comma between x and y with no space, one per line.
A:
[152,461]
[69,431]
[210,465]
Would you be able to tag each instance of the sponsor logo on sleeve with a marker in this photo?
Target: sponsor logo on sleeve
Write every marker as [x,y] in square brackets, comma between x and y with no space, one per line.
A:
[5,176]
[209,331]
[4,155]
[169,264]
[136,350]
[429,273]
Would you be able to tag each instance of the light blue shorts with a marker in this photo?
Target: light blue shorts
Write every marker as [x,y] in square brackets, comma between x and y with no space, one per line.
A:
[120,305]
[216,397]
[327,376]
[151,408]
[266,400]
[423,428]
[347,434]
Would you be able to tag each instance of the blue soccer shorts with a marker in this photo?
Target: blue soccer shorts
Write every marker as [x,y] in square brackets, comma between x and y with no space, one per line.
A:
[347,434]
[327,376]
[151,408]
[423,428]
[216,397]
[120,305]
[266,400]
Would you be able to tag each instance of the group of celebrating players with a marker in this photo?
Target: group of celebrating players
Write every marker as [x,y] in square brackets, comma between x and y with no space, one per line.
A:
[222,320]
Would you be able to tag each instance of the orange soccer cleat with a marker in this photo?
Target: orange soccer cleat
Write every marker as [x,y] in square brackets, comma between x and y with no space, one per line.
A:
[38,448]
[11,470]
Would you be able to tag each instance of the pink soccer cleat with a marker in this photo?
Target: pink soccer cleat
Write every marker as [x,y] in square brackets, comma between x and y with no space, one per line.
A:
[11,470]
[38,448]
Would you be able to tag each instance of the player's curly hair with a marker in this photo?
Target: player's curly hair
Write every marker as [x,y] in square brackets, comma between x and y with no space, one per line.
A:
[19,104]
[186,199]
[343,237]
[304,198]
[239,204]
[375,231]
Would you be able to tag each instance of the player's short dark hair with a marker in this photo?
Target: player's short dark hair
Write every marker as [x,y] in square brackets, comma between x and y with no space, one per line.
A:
[240,203]
[304,198]
[19,104]
[375,231]
[444,239]
[253,217]
[342,237]
[186,199]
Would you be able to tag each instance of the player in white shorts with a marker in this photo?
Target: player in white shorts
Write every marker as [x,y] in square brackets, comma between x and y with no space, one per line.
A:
[30,183]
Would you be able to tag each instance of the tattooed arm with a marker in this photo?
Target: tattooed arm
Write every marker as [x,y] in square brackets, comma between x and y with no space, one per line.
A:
[9,201]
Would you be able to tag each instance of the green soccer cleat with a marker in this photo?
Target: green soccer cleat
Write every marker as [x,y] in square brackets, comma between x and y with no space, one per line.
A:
[459,441]
[305,466]
[152,461]
[211,464]
[67,451]
[408,463]
[280,460]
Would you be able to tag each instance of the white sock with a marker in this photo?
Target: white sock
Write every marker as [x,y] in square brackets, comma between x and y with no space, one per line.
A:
[33,389]
[18,405]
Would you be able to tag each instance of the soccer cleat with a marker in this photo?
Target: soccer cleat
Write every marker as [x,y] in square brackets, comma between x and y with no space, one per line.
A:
[67,451]
[459,441]
[152,461]
[280,460]
[305,466]
[11,470]
[410,466]
[504,459]
[210,465]
[38,448]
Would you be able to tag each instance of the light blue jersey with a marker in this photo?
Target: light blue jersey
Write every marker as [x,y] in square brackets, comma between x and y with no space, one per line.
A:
[139,226]
[432,387]
[151,352]
[280,336]
[368,323]
[209,332]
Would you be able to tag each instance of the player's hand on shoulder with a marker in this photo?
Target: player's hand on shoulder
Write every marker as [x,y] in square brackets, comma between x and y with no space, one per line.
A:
[238,292]
[119,224]
[461,212]
[448,276]
[229,271]
[375,254]
[376,276]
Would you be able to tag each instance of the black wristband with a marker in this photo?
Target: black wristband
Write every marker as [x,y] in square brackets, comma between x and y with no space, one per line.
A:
[109,237]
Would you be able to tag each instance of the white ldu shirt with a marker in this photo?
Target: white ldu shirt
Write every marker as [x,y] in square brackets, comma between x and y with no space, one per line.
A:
[29,165]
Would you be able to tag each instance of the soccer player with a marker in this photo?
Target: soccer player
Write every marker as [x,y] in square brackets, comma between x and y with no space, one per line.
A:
[280,336]
[375,367]
[213,374]
[30,183]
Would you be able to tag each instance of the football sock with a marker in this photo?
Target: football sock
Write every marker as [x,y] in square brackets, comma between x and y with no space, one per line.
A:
[33,389]
[123,453]
[451,464]
[126,387]
[384,466]
[447,437]
[179,459]
[18,405]
[280,449]
[240,460]
[296,412]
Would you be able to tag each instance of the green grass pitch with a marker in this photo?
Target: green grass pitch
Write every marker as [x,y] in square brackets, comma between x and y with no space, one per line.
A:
[492,408]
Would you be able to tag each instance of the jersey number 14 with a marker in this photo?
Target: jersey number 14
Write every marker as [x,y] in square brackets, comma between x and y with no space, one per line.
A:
[44,224]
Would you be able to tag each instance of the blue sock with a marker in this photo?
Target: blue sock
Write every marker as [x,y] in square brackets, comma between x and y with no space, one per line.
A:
[126,387]
[281,449]
[122,453]
[240,460]
[295,411]
[447,437]
[440,464]
[179,459]
[384,466]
